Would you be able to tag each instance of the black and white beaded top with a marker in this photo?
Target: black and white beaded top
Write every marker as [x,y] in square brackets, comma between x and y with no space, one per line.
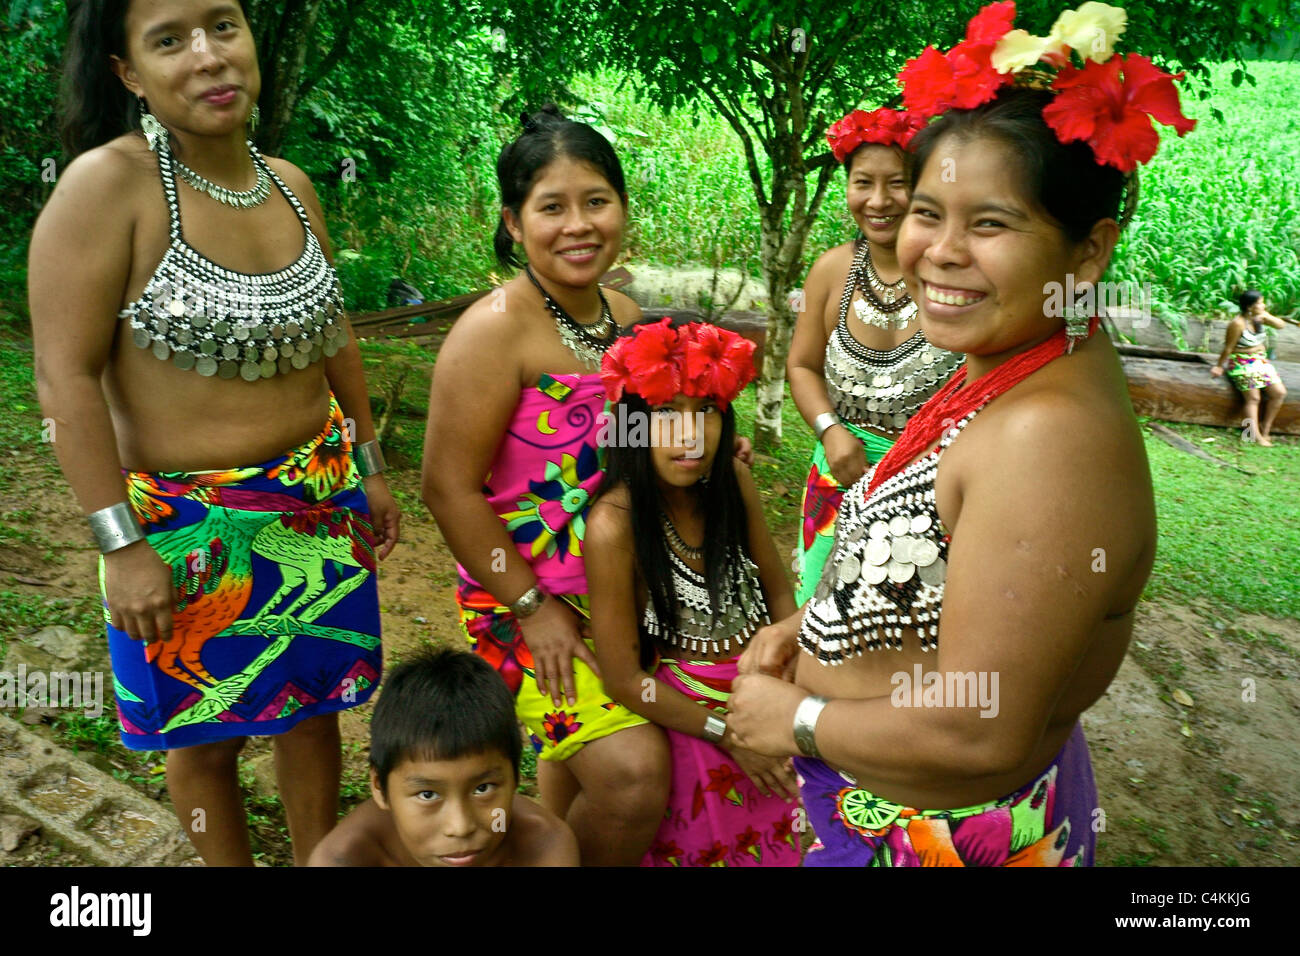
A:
[742,612]
[886,570]
[201,316]
[868,387]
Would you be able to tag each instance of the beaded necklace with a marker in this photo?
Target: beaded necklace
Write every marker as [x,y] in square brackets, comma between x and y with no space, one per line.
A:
[588,343]
[214,321]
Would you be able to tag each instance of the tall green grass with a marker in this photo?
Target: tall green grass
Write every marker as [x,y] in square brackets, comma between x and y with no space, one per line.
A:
[1220,207]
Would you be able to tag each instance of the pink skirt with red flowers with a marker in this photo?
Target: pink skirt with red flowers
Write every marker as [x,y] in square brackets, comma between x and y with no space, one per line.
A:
[715,815]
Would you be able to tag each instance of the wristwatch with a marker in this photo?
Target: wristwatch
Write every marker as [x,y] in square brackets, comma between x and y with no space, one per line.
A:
[805,724]
[528,602]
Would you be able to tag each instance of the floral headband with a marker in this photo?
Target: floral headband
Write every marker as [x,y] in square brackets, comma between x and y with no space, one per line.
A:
[659,362]
[884,126]
[1108,102]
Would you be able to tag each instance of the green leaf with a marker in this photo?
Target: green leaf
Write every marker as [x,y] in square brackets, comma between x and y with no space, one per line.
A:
[709,53]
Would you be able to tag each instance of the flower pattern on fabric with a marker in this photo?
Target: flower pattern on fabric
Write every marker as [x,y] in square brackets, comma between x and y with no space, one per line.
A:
[715,855]
[749,842]
[560,725]
[1012,832]
[715,814]
[322,468]
[552,514]
[822,498]
[667,853]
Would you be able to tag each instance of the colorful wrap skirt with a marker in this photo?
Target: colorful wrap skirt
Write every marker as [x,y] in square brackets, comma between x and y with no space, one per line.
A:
[1047,822]
[821,503]
[716,816]
[276,613]
[1251,371]
[547,467]
[557,733]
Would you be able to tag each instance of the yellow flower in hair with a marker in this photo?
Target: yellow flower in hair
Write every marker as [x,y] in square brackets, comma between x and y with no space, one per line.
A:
[1020,48]
[1090,30]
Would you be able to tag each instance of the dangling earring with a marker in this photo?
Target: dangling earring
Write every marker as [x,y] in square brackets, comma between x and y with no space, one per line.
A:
[1077,321]
[254,118]
[154,132]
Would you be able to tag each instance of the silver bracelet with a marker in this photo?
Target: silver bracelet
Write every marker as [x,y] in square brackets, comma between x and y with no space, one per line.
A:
[715,728]
[369,458]
[805,724]
[528,603]
[115,527]
[824,421]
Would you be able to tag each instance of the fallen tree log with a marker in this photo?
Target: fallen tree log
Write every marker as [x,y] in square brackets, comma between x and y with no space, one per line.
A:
[1182,391]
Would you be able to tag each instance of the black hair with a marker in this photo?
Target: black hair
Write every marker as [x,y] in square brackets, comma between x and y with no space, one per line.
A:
[905,154]
[1065,179]
[1248,299]
[442,705]
[95,106]
[726,521]
[547,136]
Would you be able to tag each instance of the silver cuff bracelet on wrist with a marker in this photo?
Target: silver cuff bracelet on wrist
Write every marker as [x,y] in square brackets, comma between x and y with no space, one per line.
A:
[805,724]
[715,728]
[528,602]
[115,527]
[824,421]
[369,459]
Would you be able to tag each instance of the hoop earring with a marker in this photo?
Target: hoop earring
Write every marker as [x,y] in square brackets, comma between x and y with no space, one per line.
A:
[254,118]
[154,132]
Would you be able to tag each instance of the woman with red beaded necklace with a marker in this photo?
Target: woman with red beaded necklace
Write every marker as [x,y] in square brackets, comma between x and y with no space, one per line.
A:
[1019,561]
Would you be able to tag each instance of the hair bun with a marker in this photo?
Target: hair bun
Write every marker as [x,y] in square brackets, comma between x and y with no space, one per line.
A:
[548,116]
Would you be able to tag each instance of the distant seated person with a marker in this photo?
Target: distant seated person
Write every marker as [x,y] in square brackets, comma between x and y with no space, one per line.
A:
[444,770]
[1245,360]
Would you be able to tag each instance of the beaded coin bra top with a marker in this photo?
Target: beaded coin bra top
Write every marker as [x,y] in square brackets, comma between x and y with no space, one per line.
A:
[200,316]
[886,569]
[742,613]
[881,389]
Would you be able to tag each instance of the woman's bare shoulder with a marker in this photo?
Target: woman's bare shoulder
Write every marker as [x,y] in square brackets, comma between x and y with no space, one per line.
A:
[833,262]
[610,518]
[108,175]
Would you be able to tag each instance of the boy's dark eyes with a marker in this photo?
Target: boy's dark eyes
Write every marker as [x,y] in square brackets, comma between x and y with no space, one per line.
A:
[484,788]
[427,794]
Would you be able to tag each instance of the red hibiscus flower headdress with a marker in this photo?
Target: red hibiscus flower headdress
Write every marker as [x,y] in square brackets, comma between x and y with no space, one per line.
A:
[1107,101]
[884,126]
[659,362]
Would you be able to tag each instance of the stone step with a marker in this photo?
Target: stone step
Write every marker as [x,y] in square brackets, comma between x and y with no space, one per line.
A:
[91,813]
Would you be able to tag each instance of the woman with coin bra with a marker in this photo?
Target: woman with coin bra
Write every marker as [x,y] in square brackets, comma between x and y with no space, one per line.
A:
[859,363]
[211,416]
[934,710]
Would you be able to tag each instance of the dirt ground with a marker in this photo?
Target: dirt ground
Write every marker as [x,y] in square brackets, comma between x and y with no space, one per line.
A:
[1195,745]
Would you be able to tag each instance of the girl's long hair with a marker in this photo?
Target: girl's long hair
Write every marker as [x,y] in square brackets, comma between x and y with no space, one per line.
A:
[726,528]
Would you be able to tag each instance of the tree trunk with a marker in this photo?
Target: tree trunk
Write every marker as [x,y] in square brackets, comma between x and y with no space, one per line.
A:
[282,53]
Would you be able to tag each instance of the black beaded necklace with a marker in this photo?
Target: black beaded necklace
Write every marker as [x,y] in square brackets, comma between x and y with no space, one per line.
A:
[587,343]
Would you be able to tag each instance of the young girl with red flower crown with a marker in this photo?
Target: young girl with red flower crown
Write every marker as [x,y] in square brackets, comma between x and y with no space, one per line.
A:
[683,573]
[859,362]
[980,593]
